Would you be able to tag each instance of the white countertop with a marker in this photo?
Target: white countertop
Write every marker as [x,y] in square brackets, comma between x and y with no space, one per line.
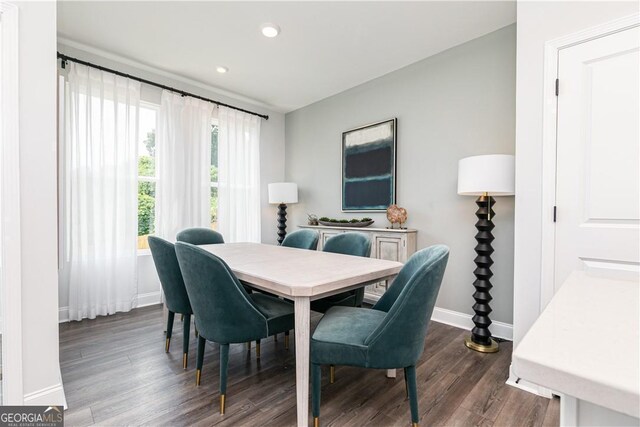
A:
[585,343]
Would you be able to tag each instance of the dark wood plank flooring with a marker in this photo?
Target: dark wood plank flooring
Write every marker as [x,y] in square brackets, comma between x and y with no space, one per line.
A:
[115,372]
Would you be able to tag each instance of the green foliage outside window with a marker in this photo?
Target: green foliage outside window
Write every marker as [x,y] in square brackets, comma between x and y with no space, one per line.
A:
[147,190]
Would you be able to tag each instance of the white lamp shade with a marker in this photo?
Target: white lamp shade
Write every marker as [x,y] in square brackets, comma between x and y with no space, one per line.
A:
[493,174]
[283,192]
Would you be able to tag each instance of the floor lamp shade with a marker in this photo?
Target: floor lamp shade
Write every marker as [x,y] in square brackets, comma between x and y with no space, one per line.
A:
[281,193]
[484,176]
[493,174]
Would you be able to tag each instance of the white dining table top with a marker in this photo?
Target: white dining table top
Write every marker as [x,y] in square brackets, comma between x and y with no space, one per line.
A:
[291,272]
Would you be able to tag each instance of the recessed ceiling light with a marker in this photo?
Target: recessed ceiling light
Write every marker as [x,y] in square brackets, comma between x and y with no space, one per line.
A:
[221,69]
[270,30]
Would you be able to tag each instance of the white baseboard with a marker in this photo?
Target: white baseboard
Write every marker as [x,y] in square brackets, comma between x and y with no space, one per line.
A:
[150,298]
[48,396]
[141,300]
[463,320]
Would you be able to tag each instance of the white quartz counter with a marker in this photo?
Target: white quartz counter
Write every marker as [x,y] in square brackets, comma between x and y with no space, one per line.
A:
[585,343]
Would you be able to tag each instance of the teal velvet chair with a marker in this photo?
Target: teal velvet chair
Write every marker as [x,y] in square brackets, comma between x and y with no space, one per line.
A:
[302,239]
[200,236]
[357,244]
[175,293]
[225,313]
[390,335]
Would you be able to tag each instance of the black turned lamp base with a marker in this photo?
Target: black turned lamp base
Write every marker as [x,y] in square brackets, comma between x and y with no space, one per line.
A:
[491,348]
[282,222]
[480,339]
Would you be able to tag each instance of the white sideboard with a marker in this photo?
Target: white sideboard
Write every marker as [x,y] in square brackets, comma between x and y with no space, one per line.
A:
[386,243]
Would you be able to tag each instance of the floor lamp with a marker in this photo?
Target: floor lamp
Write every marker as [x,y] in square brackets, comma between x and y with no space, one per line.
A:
[281,193]
[484,176]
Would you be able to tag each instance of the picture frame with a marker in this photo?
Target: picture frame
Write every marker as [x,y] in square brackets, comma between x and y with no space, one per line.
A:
[369,160]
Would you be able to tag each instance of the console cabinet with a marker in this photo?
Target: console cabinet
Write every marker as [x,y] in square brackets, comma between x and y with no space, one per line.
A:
[390,244]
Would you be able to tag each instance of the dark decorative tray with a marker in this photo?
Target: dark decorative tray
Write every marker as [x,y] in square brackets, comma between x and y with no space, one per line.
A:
[347,224]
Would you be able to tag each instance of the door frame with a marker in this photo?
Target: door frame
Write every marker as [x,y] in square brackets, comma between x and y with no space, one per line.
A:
[10,260]
[552,50]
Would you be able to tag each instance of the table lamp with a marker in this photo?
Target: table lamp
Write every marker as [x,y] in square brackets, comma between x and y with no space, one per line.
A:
[281,193]
[484,176]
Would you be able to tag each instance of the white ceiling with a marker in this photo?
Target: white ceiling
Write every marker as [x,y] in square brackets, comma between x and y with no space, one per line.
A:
[324,47]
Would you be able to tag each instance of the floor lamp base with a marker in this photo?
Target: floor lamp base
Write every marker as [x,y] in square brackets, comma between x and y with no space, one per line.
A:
[491,348]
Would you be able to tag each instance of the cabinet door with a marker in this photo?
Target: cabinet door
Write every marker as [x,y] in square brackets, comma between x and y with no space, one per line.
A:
[326,235]
[391,248]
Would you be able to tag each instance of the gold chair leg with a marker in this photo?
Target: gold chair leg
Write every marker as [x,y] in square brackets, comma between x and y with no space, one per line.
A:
[198,376]
[222,402]
[257,350]
[184,360]
[167,343]
[332,374]
[286,342]
[316,422]
[414,425]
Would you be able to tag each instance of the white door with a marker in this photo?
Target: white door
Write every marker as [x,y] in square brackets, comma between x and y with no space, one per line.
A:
[598,158]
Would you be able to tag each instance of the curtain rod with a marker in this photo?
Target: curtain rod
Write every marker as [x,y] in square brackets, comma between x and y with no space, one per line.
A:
[66,58]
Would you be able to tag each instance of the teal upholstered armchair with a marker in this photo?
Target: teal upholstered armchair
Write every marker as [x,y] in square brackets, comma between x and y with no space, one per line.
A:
[225,313]
[357,244]
[301,239]
[175,293]
[200,236]
[389,336]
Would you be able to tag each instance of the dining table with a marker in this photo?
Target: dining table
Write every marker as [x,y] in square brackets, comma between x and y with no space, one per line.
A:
[301,276]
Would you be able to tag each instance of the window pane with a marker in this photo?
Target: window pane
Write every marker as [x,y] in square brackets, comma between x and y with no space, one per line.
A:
[214,208]
[214,153]
[146,212]
[147,142]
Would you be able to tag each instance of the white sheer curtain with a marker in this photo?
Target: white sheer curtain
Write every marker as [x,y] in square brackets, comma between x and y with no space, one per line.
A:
[238,175]
[99,192]
[183,158]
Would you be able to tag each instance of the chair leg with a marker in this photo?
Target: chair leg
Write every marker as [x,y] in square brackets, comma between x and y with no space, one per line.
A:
[186,326]
[410,373]
[224,360]
[200,358]
[170,318]
[286,340]
[275,337]
[316,377]
[406,384]
[332,374]
[257,349]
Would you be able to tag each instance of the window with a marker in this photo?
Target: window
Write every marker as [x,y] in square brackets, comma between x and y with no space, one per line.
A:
[147,177]
[214,175]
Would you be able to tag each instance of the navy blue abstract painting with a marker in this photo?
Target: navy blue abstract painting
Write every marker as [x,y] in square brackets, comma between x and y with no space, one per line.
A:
[369,167]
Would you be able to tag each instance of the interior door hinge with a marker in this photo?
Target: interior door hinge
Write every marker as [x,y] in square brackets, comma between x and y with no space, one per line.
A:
[557,87]
[555,213]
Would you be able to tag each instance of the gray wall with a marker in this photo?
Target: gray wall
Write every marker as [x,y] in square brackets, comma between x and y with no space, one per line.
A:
[457,103]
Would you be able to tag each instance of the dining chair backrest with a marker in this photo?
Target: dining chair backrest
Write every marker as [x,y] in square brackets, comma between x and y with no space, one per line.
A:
[409,304]
[358,244]
[301,239]
[200,236]
[224,311]
[175,293]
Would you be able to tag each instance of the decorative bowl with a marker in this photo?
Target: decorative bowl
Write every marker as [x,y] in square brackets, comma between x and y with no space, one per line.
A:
[347,224]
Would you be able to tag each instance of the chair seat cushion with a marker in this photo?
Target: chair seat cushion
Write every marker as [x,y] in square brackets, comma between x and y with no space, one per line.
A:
[339,338]
[279,313]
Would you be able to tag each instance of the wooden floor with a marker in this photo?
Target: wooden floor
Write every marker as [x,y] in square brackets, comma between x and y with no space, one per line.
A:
[115,372]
